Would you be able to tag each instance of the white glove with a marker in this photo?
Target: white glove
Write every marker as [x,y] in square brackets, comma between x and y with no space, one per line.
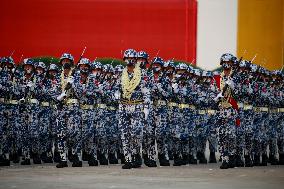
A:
[70,80]
[184,91]
[159,86]
[230,83]
[144,90]
[146,113]
[101,86]
[61,96]
[30,84]
[175,87]
[218,96]
[250,90]
[117,95]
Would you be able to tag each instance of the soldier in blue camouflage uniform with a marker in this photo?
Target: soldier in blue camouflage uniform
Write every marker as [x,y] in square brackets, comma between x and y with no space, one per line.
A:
[29,124]
[161,90]
[87,111]
[45,134]
[9,127]
[179,107]
[243,93]
[226,119]
[169,69]
[111,124]
[133,109]
[69,118]
[149,151]
[261,118]
[48,115]
[274,115]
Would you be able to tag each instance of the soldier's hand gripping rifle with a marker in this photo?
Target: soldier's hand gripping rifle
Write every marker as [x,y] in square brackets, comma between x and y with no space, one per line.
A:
[69,84]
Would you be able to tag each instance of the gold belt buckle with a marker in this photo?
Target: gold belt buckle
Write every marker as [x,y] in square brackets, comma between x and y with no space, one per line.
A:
[211,112]
[202,112]
[14,102]
[33,101]
[103,106]
[72,101]
[45,104]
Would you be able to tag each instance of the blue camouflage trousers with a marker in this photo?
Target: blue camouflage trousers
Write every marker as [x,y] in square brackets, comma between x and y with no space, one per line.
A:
[212,132]
[226,133]
[101,131]
[4,131]
[247,124]
[148,144]
[131,119]
[162,129]
[201,131]
[13,141]
[260,143]
[280,134]
[88,131]
[69,131]
[29,128]
[176,130]
[188,131]
[45,130]
[112,133]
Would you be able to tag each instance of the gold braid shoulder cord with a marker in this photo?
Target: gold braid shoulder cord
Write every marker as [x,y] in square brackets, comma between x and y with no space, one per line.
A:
[227,94]
[64,81]
[128,86]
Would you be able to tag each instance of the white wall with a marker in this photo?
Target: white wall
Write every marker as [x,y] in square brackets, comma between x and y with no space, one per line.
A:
[216,31]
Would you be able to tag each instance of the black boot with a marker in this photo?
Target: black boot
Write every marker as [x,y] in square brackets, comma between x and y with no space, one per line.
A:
[273,160]
[93,162]
[239,161]
[36,159]
[26,162]
[202,158]
[4,162]
[137,161]
[232,161]
[225,165]
[281,159]
[264,160]
[48,158]
[248,161]
[177,160]
[198,155]
[122,159]
[112,159]
[151,163]
[185,159]
[163,161]
[62,164]
[127,165]
[192,160]
[70,156]
[76,162]
[256,161]
[16,158]
[103,160]
[56,157]
[212,158]
[85,156]
[171,157]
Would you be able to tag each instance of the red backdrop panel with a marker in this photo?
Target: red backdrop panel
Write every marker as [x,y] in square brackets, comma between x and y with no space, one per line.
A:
[106,27]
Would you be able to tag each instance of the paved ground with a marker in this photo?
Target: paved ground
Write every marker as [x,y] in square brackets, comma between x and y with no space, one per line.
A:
[193,176]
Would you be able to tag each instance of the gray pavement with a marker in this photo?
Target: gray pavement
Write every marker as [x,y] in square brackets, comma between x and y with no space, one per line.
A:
[193,176]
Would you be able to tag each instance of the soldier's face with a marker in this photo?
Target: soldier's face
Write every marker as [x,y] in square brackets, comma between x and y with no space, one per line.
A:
[39,71]
[130,61]
[156,67]
[28,69]
[66,63]
[52,73]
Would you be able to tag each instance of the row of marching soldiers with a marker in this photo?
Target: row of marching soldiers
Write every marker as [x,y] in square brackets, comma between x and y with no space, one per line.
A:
[148,111]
